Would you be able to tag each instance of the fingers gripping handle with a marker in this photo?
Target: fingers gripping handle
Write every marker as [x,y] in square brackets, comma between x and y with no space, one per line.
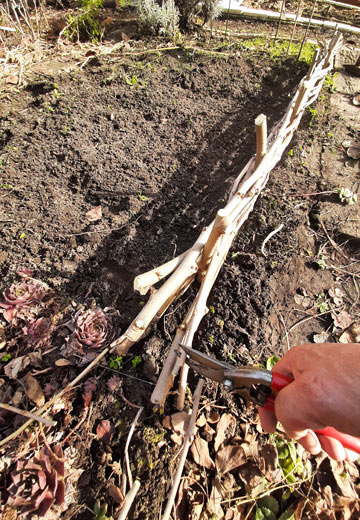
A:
[279,381]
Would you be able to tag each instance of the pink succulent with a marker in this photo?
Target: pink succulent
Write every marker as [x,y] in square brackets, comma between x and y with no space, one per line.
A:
[95,328]
[38,483]
[37,330]
[20,295]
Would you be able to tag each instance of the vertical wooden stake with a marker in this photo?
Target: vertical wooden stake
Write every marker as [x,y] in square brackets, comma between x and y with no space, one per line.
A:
[261,138]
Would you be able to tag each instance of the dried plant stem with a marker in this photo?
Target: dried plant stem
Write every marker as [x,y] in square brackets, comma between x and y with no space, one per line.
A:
[126,451]
[270,235]
[129,499]
[25,413]
[47,405]
[184,450]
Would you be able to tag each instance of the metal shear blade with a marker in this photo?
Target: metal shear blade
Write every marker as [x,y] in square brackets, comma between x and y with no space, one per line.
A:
[205,365]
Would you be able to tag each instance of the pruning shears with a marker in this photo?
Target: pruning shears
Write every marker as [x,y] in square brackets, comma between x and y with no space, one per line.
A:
[255,384]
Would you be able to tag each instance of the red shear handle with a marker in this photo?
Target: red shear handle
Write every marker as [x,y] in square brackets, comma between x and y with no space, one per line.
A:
[279,381]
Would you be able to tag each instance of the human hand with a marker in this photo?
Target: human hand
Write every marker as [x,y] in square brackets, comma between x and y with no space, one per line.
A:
[325,392]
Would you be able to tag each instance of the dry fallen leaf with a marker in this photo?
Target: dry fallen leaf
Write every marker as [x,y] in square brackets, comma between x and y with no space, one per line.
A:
[213,506]
[229,458]
[94,214]
[105,430]
[33,390]
[166,422]
[177,438]
[12,80]
[201,421]
[251,476]
[342,320]
[225,429]
[15,366]
[200,452]
[62,362]
[351,335]
[180,421]
[214,417]
[116,494]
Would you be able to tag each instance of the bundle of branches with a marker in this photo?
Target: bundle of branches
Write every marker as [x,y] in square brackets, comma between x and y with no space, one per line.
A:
[205,258]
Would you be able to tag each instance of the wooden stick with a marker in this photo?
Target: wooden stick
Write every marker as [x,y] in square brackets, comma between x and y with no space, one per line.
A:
[25,413]
[143,282]
[219,228]
[307,29]
[184,450]
[261,138]
[166,377]
[180,401]
[129,499]
[294,26]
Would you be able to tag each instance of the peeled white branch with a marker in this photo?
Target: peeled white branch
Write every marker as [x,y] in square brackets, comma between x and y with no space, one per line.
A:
[143,282]
[129,499]
[184,451]
[261,138]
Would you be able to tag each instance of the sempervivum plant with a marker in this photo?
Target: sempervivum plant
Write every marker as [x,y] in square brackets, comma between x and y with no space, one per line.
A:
[21,295]
[93,329]
[38,483]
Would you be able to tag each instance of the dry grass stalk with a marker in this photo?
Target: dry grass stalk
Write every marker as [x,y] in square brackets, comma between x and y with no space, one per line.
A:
[184,451]
[25,413]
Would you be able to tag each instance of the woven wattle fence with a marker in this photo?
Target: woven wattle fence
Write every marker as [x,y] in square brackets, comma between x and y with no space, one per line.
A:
[205,258]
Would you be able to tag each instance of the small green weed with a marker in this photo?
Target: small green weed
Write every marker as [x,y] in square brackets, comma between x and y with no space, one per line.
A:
[314,115]
[135,361]
[211,309]
[271,362]
[116,362]
[346,196]
[329,83]
[100,511]
[6,358]
[85,25]
[321,262]
[142,197]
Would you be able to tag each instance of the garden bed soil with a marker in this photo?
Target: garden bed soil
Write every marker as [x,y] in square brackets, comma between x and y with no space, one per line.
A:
[156,142]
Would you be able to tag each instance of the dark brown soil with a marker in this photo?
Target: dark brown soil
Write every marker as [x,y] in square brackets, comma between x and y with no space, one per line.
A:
[156,141]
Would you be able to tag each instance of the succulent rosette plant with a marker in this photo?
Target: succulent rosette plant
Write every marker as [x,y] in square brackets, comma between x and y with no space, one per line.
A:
[21,295]
[95,328]
[91,329]
[37,330]
[38,483]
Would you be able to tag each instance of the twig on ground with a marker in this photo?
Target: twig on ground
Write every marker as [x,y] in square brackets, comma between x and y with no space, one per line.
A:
[25,413]
[303,320]
[126,452]
[129,499]
[129,403]
[184,451]
[335,246]
[83,418]
[279,228]
[286,331]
